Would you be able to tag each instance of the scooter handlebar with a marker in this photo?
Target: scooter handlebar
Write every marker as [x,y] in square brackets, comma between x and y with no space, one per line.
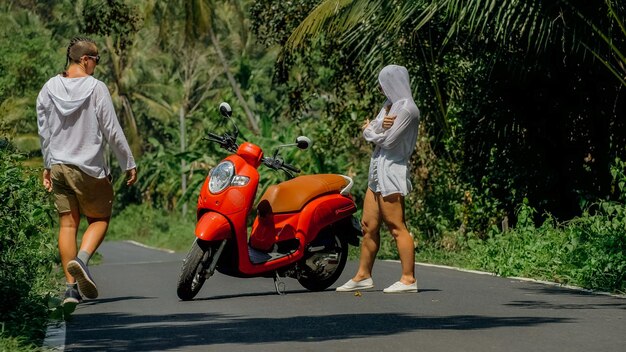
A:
[291,168]
[215,138]
[226,141]
[278,164]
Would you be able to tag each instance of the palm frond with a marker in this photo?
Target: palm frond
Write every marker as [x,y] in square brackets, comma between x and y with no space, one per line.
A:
[616,17]
[199,17]
[608,40]
[335,16]
[161,110]
[607,64]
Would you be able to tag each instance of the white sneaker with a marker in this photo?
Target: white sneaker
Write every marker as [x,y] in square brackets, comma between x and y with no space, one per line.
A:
[399,287]
[356,285]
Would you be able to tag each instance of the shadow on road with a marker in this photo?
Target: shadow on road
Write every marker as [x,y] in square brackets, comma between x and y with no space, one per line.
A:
[250,294]
[537,304]
[111,300]
[121,332]
[273,293]
[594,301]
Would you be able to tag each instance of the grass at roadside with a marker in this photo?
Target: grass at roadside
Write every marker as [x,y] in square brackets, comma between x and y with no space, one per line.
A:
[153,227]
[588,251]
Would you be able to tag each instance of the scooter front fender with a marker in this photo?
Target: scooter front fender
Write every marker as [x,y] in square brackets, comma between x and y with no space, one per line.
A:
[213,226]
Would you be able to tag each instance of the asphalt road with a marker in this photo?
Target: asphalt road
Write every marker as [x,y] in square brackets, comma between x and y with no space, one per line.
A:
[454,311]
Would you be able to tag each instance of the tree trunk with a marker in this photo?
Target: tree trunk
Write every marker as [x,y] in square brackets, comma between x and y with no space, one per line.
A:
[183,180]
[127,117]
[251,118]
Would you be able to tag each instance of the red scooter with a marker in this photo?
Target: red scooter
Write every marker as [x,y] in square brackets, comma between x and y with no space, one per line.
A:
[302,227]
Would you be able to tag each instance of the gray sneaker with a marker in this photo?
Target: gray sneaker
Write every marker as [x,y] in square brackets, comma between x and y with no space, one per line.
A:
[71,300]
[80,272]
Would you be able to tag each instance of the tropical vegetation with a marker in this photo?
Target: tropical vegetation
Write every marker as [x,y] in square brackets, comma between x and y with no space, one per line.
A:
[27,253]
[519,168]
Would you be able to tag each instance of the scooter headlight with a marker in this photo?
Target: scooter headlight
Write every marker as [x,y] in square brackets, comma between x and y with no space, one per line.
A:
[221,177]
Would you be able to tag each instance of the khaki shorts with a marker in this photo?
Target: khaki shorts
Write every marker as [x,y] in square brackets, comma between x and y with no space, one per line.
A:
[73,189]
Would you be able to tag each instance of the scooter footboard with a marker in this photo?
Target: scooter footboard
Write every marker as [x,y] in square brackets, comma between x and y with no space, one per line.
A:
[213,226]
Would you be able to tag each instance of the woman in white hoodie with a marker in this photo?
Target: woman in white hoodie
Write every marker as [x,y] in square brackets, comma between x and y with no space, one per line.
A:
[75,117]
[394,134]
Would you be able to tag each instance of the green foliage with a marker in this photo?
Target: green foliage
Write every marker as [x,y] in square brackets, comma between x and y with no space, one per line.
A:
[435,206]
[508,121]
[587,251]
[112,18]
[272,29]
[27,252]
[618,174]
[16,344]
[154,227]
[27,60]
[499,122]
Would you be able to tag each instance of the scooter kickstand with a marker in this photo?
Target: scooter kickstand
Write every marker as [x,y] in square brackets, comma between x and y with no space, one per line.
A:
[279,284]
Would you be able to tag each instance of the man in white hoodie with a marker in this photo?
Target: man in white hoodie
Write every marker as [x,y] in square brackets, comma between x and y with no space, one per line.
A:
[75,117]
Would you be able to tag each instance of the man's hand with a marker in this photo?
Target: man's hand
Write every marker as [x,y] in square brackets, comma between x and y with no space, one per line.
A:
[131,176]
[47,181]
[388,121]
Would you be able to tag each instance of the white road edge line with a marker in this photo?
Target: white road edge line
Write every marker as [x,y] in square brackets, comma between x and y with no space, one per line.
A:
[139,244]
[543,282]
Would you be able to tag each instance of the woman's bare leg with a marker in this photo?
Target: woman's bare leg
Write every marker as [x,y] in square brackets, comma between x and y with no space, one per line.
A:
[370,223]
[392,211]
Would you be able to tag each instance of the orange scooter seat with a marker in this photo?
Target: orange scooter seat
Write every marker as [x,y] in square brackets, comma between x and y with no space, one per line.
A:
[291,196]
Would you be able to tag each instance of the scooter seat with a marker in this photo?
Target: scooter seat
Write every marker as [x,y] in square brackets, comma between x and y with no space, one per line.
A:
[291,196]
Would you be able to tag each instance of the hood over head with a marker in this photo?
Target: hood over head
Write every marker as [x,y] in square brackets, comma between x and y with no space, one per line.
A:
[69,94]
[394,80]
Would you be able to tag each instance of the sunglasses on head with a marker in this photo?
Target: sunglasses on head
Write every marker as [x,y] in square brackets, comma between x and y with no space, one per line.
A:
[95,58]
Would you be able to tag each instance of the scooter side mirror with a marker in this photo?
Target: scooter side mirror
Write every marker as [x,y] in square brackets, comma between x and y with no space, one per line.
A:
[303,142]
[226,110]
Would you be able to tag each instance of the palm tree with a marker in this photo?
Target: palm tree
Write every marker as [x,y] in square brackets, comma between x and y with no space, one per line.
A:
[179,92]
[572,24]
[200,18]
[119,67]
[183,31]
[371,31]
[615,60]
[543,35]
[27,60]
[118,24]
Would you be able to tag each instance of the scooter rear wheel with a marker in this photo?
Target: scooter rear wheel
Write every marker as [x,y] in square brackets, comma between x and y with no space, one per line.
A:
[193,271]
[316,275]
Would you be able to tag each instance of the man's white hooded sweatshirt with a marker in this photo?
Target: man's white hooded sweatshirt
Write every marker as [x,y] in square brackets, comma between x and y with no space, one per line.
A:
[75,117]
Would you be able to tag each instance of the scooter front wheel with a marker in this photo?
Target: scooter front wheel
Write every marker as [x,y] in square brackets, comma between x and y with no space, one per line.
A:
[193,271]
